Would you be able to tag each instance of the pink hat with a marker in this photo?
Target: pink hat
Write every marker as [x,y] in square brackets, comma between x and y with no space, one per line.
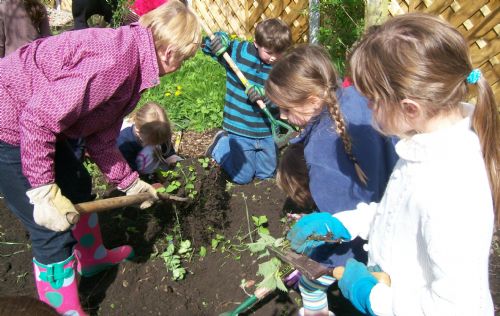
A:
[141,7]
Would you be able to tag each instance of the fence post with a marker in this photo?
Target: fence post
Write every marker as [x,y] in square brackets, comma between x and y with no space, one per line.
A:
[313,21]
[375,12]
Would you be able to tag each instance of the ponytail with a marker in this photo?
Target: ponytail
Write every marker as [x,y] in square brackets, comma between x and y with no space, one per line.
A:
[486,124]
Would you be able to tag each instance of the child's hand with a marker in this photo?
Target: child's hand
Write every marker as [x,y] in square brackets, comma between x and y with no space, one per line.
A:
[255,93]
[220,43]
[311,228]
[356,284]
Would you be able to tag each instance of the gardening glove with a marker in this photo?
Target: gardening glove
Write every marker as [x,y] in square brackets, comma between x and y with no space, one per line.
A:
[220,43]
[319,224]
[356,285]
[255,93]
[50,207]
[140,186]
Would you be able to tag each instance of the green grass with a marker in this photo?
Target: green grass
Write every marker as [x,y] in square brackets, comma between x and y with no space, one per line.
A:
[193,96]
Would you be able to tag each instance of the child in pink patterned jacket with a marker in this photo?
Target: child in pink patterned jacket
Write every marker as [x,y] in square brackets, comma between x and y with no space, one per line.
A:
[86,92]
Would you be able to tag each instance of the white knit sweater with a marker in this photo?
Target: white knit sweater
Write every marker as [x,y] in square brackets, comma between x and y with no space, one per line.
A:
[432,230]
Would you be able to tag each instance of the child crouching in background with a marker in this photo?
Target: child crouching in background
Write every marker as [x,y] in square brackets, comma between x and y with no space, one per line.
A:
[146,140]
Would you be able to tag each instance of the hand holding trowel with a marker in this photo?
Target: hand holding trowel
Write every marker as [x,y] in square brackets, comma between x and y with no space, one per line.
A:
[313,270]
[116,202]
[276,124]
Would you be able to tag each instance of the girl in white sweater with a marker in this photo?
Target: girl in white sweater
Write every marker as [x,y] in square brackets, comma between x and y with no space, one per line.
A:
[432,230]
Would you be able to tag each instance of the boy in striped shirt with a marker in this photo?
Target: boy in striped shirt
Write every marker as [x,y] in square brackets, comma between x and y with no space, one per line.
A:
[245,148]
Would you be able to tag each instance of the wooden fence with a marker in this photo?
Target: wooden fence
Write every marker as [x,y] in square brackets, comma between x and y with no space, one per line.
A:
[477,20]
[241,16]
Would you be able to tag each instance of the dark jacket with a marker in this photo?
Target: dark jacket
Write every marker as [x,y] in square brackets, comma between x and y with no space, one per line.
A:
[333,181]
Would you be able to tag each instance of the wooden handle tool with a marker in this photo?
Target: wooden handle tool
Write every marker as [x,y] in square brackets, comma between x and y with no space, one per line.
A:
[383,277]
[116,202]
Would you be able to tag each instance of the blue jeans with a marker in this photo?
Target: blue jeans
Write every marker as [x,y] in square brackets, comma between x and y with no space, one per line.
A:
[75,183]
[244,158]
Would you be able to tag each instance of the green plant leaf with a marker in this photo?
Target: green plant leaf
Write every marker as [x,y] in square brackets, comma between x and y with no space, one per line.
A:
[184,247]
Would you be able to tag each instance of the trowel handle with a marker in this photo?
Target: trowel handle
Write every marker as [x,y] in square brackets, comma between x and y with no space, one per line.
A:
[105,205]
[382,277]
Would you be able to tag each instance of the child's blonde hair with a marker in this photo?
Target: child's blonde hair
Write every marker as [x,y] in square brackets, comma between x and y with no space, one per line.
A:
[422,58]
[293,177]
[152,124]
[308,71]
[173,23]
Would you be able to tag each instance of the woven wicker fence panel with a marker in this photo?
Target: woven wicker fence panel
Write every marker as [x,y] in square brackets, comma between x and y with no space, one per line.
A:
[477,20]
[240,17]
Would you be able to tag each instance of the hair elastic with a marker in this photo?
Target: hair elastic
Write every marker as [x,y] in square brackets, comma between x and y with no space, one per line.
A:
[474,76]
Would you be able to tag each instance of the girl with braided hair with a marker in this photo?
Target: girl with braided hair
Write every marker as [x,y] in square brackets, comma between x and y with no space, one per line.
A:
[436,218]
[348,161]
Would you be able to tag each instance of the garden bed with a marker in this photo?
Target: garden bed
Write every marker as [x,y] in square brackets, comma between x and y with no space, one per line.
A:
[215,219]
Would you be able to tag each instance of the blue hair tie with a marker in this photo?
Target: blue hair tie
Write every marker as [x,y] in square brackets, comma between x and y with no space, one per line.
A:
[474,76]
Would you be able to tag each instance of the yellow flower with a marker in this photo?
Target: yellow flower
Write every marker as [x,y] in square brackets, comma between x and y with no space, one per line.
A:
[233,36]
[179,87]
[167,94]
[178,93]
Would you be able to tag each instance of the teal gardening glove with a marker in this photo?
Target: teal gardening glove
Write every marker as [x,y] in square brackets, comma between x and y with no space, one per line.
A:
[356,285]
[320,224]
[220,43]
[255,93]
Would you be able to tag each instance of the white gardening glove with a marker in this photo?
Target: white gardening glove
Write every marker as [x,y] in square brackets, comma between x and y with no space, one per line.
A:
[50,207]
[140,186]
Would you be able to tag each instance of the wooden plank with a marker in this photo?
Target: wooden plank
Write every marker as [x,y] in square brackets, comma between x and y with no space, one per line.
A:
[484,24]
[465,12]
[480,56]
[437,7]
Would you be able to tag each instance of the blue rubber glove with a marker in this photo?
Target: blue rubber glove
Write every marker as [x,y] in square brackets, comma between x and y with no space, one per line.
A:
[255,93]
[316,224]
[220,43]
[356,285]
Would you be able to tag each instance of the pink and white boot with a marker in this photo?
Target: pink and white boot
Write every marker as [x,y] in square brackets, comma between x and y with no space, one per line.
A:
[90,252]
[57,286]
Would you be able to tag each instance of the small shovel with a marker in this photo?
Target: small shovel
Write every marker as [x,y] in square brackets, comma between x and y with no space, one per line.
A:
[276,124]
[313,270]
[116,202]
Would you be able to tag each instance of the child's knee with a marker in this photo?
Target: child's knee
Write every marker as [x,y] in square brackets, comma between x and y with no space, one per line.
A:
[242,178]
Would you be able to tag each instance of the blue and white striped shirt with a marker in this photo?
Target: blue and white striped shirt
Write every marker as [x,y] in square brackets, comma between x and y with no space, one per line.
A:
[242,117]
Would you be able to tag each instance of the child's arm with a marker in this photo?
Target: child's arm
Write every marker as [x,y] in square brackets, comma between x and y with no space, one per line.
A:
[146,161]
[359,221]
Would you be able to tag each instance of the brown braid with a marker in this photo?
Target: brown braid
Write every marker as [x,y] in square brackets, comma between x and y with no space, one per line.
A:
[340,128]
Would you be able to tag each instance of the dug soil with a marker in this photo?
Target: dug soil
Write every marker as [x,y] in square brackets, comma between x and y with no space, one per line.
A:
[220,215]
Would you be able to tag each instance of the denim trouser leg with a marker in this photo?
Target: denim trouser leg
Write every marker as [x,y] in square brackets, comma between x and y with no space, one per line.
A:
[266,158]
[244,158]
[48,246]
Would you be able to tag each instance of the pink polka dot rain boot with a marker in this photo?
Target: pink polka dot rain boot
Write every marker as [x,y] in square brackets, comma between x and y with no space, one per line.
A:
[90,252]
[57,286]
